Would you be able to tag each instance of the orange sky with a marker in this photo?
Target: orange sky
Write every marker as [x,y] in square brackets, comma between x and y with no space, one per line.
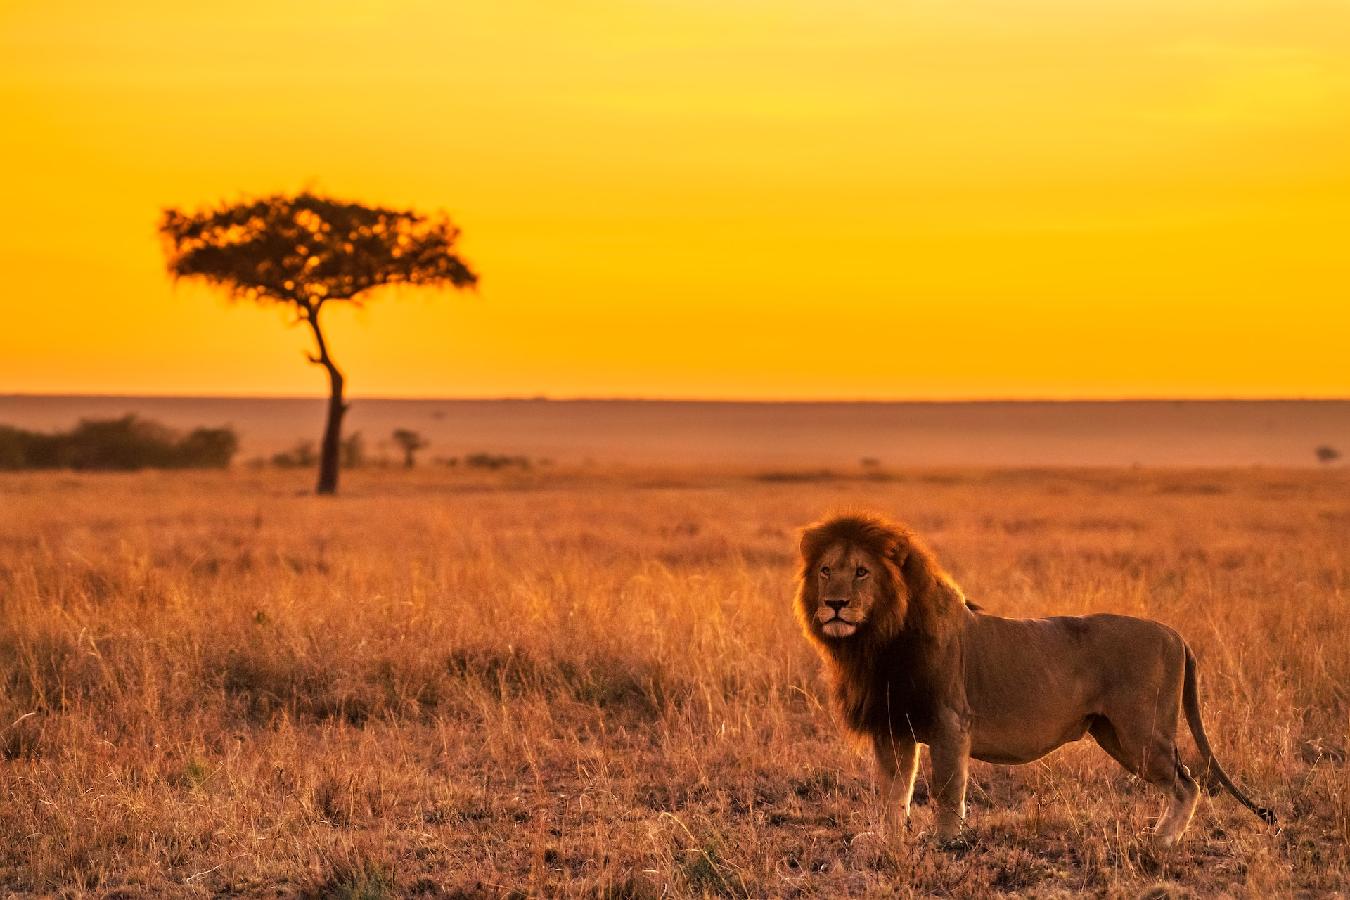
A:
[702,198]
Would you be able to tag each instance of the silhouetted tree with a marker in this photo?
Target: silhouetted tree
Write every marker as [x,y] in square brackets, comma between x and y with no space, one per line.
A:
[1326,454]
[306,251]
[410,442]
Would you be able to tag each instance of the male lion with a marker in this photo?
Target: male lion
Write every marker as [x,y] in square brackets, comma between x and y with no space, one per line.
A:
[913,663]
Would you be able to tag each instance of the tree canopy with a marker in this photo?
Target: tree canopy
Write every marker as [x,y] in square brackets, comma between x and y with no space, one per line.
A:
[307,249]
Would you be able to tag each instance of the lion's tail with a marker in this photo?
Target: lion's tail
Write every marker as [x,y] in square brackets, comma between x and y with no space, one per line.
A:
[1191,699]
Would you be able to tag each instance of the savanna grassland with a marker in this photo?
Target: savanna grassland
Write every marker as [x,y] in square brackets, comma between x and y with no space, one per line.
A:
[580,683]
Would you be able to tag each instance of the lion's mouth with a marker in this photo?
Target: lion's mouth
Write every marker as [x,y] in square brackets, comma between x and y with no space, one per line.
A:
[838,627]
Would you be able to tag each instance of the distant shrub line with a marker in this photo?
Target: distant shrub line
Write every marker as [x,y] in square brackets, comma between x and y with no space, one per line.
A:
[124,444]
[304,454]
[131,442]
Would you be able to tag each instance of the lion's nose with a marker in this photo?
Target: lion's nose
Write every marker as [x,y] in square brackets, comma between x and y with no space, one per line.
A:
[836,605]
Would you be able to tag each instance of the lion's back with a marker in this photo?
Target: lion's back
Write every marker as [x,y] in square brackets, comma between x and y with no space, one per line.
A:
[1028,667]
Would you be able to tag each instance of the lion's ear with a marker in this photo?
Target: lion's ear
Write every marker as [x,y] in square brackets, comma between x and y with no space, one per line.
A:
[897,552]
[809,545]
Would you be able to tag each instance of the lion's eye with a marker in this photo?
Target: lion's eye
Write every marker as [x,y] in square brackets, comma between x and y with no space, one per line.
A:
[824,571]
[861,573]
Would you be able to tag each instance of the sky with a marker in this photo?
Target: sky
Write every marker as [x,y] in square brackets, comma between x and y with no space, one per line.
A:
[777,199]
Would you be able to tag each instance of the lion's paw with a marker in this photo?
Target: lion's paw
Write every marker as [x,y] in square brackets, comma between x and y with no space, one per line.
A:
[959,844]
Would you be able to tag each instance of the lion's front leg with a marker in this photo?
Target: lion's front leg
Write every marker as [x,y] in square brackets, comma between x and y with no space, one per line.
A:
[950,752]
[897,764]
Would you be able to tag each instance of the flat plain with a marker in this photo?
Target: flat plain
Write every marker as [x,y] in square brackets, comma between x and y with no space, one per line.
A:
[588,682]
[1232,433]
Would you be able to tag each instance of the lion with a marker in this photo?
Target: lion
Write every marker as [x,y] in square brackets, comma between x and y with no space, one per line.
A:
[912,662]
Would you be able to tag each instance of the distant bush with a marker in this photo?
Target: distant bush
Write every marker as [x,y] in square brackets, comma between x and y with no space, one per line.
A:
[352,451]
[495,461]
[491,461]
[301,455]
[21,449]
[208,448]
[1325,454]
[793,477]
[124,444]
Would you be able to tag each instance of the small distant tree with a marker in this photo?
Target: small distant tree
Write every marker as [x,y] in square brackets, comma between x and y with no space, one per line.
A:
[307,251]
[1326,454]
[409,442]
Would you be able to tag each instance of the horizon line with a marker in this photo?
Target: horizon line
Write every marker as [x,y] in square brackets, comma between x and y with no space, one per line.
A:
[544,398]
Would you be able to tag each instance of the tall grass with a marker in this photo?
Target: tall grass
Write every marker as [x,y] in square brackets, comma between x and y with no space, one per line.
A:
[575,684]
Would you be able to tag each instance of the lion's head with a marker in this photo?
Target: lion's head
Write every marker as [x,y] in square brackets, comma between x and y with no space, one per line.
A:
[866,579]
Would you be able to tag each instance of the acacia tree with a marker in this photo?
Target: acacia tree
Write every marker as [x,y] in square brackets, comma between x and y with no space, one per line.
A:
[307,251]
[409,442]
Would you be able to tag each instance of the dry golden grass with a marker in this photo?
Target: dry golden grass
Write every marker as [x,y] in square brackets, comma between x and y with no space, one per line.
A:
[579,684]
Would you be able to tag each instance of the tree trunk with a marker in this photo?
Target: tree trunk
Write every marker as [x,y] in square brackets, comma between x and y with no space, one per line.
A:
[408,457]
[330,451]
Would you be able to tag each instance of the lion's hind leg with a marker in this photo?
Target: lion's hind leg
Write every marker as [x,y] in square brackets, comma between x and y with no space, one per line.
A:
[1183,795]
[1155,759]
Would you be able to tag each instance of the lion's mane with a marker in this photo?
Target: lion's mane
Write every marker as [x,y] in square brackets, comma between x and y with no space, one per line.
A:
[918,610]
